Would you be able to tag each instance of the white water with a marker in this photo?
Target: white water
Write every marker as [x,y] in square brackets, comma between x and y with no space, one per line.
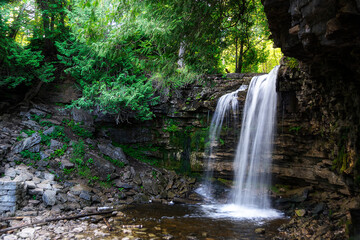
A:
[227,106]
[252,162]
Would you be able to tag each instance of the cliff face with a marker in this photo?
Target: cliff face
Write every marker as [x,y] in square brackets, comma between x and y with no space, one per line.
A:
[322,33]
[319,109]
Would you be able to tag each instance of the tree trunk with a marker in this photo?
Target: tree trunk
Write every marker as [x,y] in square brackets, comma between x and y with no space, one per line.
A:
[16,23]
[241,56]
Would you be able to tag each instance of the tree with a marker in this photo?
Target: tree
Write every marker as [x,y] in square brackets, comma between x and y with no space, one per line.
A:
[246,33]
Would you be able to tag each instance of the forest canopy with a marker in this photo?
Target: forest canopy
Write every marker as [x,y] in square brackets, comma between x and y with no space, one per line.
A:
[121,51]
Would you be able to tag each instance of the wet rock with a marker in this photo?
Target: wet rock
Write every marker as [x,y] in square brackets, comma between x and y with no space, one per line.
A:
[113,152]
[49,197]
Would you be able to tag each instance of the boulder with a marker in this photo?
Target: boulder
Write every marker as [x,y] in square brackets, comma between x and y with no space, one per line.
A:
[49,197]
[115,153]
[80,188]
[54,144]
[83,116]
[27,143]
[103,167]
[49,131]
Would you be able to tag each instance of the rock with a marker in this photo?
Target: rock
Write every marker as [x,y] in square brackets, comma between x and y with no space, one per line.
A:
[36,191]
[78,230]
[27,233]
[35,149]
[10,172]
[44,185]
[66,164]
[49,176]
[118,183]
[300,212]
[24,176]
[34,111]
[102,166]
[49,197]
[260,230]
[45,154]
[80,188]
[30,185]
[61,197]
[31,125]
[84,116]
[54,144]
[318,208]
[85,195]
[115,153]
[49,131]
[96,199]
[27,143]
[10,237]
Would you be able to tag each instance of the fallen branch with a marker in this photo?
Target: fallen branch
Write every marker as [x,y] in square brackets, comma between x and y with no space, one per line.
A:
[12,218]
[107,224]
[55,219]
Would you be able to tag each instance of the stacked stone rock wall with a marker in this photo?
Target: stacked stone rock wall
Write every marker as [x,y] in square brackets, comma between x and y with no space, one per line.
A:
[11,195]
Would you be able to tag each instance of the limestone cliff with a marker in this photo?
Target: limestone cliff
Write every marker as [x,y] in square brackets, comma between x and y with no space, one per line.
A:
[320,106]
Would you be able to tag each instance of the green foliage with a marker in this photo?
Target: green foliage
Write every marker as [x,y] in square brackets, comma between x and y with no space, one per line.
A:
[171,126]
[114,161]
[111,85]
[139,152]
[68,171]
[291,62]
[295,129]
[59,152]
[78,153]
[28,132]
[78,129]
[58,134]
[30,155]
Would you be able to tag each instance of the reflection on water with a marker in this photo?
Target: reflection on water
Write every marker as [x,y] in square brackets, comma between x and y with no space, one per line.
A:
[194,222]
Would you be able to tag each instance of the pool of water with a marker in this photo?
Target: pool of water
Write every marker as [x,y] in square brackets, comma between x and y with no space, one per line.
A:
[159,221]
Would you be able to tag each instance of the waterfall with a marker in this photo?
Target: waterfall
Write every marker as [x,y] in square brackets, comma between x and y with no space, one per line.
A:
[227,107]
[254,152]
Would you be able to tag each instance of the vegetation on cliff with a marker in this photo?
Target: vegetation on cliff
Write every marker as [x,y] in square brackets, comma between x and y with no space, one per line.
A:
[121,52]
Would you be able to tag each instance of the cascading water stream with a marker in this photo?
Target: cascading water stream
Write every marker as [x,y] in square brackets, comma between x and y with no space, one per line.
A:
[254,152]
[227,107]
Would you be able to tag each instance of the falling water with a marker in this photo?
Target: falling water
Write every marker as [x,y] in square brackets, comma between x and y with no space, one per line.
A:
[227,106]
[254,152]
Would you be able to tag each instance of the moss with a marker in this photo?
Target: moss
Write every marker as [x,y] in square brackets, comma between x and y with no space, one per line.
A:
[291,62]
